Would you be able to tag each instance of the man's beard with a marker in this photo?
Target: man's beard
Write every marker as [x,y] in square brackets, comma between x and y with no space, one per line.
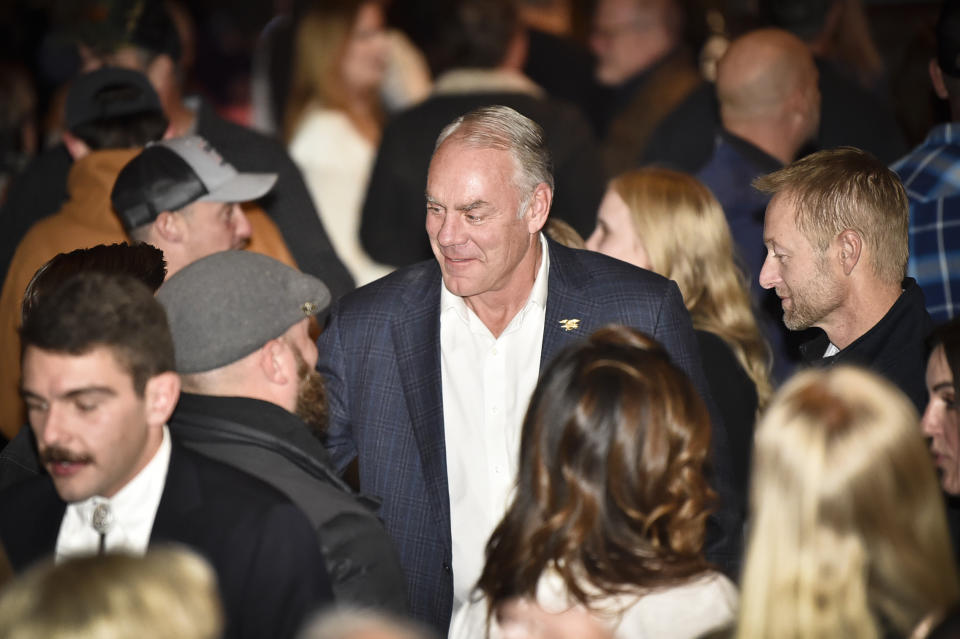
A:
[311,397]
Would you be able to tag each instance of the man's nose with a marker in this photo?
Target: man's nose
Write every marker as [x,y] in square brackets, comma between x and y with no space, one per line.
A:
[451,230]
[769,273]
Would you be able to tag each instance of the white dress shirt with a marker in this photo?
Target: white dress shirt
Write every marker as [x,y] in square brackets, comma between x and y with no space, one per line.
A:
[486,385]
[132,511]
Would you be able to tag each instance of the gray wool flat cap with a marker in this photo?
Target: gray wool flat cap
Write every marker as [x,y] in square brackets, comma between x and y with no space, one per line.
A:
[227,305]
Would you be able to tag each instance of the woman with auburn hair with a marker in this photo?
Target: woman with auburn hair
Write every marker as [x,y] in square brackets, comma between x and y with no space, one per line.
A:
[848,537]
[333,116]
[670,223]
[611,502]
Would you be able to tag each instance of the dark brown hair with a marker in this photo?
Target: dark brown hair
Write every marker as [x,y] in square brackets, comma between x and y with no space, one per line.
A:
[610,490]
[142,261]
[948,336]
[92,310]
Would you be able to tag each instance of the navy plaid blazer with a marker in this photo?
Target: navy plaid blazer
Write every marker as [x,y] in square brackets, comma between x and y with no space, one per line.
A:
[380,355]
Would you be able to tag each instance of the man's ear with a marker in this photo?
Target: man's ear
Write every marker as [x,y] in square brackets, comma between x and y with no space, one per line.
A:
[274,364]
[936,79]
[539,208]
[161,395]
[170,226]
[851,247]
[76,147]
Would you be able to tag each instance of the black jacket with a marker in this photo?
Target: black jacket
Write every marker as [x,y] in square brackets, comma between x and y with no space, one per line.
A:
[275,446]
[895,347]
[268,564]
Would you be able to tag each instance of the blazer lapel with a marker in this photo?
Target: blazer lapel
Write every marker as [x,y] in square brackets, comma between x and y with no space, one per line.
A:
[417,341]
[570,314]
[181,494]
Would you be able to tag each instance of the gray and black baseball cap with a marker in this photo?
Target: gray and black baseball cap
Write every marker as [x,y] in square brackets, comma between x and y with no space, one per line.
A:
[169,175]
[227,305]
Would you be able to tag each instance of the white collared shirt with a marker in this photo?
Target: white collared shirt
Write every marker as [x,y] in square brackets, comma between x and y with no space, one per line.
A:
[132,511]
[486,385]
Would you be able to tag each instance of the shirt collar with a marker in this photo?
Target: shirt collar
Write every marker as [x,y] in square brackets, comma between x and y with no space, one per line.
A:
[538,294]
[477,80]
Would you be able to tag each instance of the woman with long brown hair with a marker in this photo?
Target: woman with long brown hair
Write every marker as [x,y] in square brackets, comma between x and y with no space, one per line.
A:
[611,501]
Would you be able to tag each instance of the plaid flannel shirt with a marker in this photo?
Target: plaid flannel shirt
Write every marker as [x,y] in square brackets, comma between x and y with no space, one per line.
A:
[931,177]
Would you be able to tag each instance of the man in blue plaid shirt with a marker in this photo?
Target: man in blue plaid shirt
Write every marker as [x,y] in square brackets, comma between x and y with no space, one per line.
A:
[931,177]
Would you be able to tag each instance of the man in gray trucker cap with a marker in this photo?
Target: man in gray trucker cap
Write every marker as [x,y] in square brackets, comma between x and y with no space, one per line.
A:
[181,196]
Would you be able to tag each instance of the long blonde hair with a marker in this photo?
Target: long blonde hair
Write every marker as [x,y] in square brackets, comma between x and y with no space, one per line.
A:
[848,533]
[687,240]
[320,41]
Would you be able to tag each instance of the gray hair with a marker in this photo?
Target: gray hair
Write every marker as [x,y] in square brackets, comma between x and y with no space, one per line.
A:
[500,127]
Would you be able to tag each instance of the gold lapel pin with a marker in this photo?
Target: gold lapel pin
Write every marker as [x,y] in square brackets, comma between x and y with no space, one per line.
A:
[570,324]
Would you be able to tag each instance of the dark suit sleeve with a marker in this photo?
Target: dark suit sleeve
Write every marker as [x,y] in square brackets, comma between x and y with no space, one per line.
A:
[287,580]
[331,363]
[725,527]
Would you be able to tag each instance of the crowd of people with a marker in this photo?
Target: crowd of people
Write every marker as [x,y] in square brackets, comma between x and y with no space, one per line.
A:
[485,336]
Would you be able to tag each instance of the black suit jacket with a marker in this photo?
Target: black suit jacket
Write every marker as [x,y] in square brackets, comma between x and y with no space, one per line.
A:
[380,356]
[262,548]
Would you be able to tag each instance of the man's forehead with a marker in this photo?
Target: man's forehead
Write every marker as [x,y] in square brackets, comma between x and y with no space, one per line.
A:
[68,370]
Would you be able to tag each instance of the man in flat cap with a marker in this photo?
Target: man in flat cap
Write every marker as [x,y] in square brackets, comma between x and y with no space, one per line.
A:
[98,378]
[240,324]
[110,114]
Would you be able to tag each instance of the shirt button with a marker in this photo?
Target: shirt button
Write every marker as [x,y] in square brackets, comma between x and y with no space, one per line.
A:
[446,566]
[494,410]
[494,350]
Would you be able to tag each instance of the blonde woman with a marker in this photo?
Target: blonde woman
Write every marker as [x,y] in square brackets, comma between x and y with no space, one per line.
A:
[670,223]
[848,537]
[334,119]
[169,593]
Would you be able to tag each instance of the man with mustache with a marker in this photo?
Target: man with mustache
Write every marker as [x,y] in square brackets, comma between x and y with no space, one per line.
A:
[836,238]
[240,324]
[99,385]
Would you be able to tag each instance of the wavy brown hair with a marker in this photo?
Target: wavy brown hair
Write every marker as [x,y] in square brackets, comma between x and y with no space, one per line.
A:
[610,490]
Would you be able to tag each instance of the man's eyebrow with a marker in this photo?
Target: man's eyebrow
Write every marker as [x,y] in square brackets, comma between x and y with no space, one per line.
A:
[431,199]
[473,205]
[72,394]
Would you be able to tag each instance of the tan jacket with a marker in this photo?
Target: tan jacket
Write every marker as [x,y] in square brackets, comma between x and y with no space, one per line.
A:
[85,220]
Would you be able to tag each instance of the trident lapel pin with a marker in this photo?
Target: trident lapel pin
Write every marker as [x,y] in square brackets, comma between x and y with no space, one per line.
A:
[570,324]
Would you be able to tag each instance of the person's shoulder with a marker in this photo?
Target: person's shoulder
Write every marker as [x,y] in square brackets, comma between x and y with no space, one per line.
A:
[407,285]
[246,149]
[27,494]
[226,489]
[604,275]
